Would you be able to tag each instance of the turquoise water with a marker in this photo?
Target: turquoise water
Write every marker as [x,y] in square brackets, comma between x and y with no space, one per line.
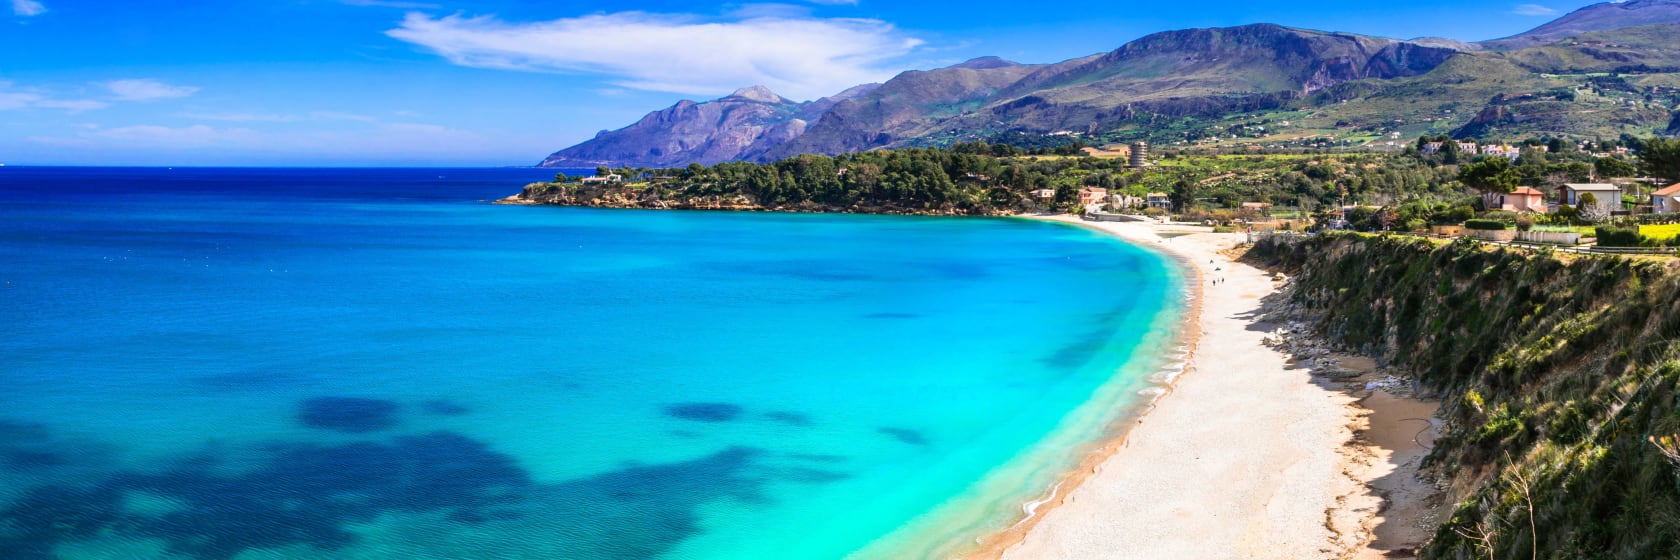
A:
[261,363]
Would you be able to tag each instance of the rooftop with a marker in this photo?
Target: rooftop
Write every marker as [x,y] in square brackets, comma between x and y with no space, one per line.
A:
[1592,187]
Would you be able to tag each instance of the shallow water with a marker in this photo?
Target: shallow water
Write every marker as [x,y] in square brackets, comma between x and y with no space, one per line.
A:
[306,363]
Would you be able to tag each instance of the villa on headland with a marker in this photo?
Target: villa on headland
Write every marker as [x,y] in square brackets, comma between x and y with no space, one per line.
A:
[603,179]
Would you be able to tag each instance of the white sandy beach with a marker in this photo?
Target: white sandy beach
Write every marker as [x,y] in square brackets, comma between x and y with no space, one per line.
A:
[1245,458]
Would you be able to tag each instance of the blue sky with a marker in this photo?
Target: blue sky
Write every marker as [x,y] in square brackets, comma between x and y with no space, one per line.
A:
[477,82]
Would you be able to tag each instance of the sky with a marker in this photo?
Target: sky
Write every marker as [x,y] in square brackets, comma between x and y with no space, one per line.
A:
[498,83]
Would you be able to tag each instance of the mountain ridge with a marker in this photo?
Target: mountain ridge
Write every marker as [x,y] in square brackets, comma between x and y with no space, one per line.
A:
[1186,85]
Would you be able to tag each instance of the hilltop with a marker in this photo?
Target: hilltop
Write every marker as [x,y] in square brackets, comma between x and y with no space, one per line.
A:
[1602,71]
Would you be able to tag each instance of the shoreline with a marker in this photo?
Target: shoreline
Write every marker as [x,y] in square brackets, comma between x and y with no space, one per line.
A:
[994,545]
[1252,451]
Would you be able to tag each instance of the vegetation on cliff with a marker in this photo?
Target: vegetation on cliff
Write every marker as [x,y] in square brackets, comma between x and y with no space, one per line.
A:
[979,178]
[1560,377]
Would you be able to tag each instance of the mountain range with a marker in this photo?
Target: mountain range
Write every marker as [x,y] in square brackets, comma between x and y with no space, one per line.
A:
[1604,70]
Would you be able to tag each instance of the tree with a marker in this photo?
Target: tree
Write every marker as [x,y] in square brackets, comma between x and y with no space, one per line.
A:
[1490,175]
[1613,167]
[560,177]
[1590,211]
[1449,152]
[1661,159]
[1183,195]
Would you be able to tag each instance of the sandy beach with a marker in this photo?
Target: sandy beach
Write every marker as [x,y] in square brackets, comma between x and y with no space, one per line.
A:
[1250,455]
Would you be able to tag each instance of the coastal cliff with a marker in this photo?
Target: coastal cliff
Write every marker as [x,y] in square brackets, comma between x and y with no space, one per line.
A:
[1558,374]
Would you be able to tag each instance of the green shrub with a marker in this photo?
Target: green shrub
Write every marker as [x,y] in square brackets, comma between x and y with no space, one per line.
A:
[1501,216]
[1611,236]
[1484,224]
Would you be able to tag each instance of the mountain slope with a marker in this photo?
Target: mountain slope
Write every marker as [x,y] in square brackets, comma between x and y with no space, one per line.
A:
[1189,72]
[905,107]
[1597,17]
[1201,72]
[742,125]
[1260,84]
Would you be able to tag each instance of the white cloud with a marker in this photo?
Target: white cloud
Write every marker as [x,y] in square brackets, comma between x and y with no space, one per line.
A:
[60,141]
[72,105]
[28,8]
[1533,10]
[33,98]
[799,57]
[17,100]
[146,90]
[195,135]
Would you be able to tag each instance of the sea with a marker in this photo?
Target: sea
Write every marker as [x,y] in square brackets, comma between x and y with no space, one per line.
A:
[249,363]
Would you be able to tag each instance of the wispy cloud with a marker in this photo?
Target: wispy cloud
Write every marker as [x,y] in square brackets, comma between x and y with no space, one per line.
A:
[72,105]
[27,98]
[195,135]
[1533,10]
[28,8]
[800,57]
[146,90]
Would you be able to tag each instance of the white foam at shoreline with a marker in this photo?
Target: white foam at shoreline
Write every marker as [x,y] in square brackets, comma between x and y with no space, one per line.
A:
[1030,509]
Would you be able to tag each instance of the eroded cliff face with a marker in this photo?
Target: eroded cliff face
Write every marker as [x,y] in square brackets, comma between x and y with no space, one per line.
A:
[1559,375]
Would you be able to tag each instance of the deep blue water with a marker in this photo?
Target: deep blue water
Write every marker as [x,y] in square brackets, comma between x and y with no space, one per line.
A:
[306,363]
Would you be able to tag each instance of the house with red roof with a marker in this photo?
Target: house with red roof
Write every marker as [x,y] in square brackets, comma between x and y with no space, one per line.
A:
[1666,200]
[1523,199]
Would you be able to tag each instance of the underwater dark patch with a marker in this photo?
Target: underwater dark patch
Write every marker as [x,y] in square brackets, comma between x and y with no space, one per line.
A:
[643,511]
[303,494]
[1078,352]
[12,431]
[790,418]
[48,515]
[441,407]
[27,446]
[704,412]
[348,414]
[905,435]
[32,460]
